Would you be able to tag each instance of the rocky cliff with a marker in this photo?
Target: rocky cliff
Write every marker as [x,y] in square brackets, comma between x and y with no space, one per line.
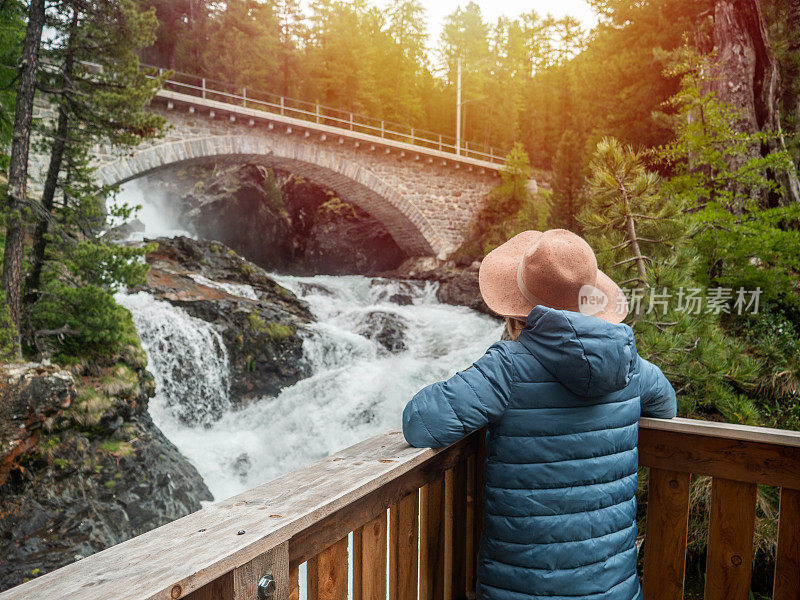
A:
[83,465]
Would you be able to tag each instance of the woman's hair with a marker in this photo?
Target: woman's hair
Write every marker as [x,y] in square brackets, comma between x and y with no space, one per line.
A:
[514,327]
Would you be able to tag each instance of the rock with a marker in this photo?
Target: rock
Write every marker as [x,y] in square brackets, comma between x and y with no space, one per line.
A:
[30,394]
[344,240]
[260,323]
[124,231]
[385,328]
[277,220]
[457,285]
[99,472]
[401,299]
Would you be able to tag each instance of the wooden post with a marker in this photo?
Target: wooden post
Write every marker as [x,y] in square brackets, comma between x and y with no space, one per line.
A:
[665,540]
[729,560]
[316,112]
[469,525]
[382,129]
[440,142]
[351,121]
[412,136]
[242,582]
[203,87]
[327,573]
[787,559]
[431,575]
[281,105]
[403,548]
[244,97]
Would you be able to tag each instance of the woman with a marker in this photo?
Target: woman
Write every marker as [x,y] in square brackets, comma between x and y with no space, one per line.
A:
[561,403]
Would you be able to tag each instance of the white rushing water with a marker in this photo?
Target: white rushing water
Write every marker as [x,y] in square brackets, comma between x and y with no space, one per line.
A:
[357,389]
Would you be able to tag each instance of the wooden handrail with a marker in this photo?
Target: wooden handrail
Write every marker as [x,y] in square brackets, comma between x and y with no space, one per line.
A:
[434,509]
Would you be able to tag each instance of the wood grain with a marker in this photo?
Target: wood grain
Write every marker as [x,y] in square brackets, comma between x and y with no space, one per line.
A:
[327,573]
[294,584]
[199,548]
[469,525]
[665,541]
[729,559]
[218,589]
[274,562]
[738,460]
[403,548]
[787,558]
[458,542]
[372,550]
[431,547]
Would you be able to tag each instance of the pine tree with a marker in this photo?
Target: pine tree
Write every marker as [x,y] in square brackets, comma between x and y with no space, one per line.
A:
[16,201]
[569,182]
[642,239]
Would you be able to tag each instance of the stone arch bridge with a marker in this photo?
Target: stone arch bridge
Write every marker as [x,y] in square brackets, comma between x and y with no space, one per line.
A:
[422,189]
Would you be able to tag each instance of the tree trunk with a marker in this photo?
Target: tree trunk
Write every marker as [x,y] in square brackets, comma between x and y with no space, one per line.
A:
[53,170]
[745,74]
[18,169]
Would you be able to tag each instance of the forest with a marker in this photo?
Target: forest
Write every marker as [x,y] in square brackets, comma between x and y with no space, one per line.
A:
[668,136]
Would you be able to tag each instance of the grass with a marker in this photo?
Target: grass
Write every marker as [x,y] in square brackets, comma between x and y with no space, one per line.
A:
[117,448]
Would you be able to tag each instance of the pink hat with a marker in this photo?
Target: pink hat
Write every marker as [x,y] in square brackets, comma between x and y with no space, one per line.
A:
[555,268]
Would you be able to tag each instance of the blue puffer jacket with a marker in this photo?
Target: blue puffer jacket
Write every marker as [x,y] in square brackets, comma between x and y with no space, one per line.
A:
[562,407]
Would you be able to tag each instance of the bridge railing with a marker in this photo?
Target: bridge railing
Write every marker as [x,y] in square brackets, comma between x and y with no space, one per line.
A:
[245,97]
[411,520]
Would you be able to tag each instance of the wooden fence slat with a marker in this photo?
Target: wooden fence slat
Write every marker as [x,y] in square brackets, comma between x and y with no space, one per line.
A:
[294,583]
[327,573]
[447,538]
[665,540]
[372,563]
[733,459]
[459,538]
[787,558]
[357,566]
[403,545]
[469,525]
[729,559]
[480,464]
[431,568]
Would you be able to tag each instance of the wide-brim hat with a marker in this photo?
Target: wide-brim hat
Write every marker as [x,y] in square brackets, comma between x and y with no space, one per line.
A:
[554,268]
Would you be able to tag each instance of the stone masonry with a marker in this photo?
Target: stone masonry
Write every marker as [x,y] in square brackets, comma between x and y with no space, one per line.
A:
[425,199]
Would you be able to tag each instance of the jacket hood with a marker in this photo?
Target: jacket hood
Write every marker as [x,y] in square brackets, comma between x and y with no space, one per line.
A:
[587,355]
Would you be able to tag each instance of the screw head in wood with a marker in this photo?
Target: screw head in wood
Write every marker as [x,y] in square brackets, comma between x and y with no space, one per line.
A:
[266,587]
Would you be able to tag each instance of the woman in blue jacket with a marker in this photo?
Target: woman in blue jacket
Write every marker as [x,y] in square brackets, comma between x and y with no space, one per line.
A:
[561,404]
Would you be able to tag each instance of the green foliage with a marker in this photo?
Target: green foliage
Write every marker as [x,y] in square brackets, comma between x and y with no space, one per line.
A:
[744,239]
[569,182]
[509,209]
[92,322]
[642,237]
[12,32]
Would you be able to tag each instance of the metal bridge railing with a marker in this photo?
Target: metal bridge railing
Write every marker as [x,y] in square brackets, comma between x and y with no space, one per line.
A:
[211,89]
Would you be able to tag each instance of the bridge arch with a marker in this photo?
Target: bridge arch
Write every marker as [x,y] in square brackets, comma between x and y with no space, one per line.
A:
[351,181]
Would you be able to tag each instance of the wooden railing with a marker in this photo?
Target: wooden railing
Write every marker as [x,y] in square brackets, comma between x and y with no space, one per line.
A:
[411,519]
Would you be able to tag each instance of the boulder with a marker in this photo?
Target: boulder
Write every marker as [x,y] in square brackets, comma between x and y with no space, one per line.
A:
[385,328]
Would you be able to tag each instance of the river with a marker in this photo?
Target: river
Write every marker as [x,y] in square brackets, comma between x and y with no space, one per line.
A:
[356,388]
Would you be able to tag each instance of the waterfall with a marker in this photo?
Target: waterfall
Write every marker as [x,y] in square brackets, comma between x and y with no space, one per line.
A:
[188,360]
[357,387]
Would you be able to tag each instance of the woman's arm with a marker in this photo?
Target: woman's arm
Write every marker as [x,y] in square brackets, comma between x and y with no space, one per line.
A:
[444,412]
[658,396]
